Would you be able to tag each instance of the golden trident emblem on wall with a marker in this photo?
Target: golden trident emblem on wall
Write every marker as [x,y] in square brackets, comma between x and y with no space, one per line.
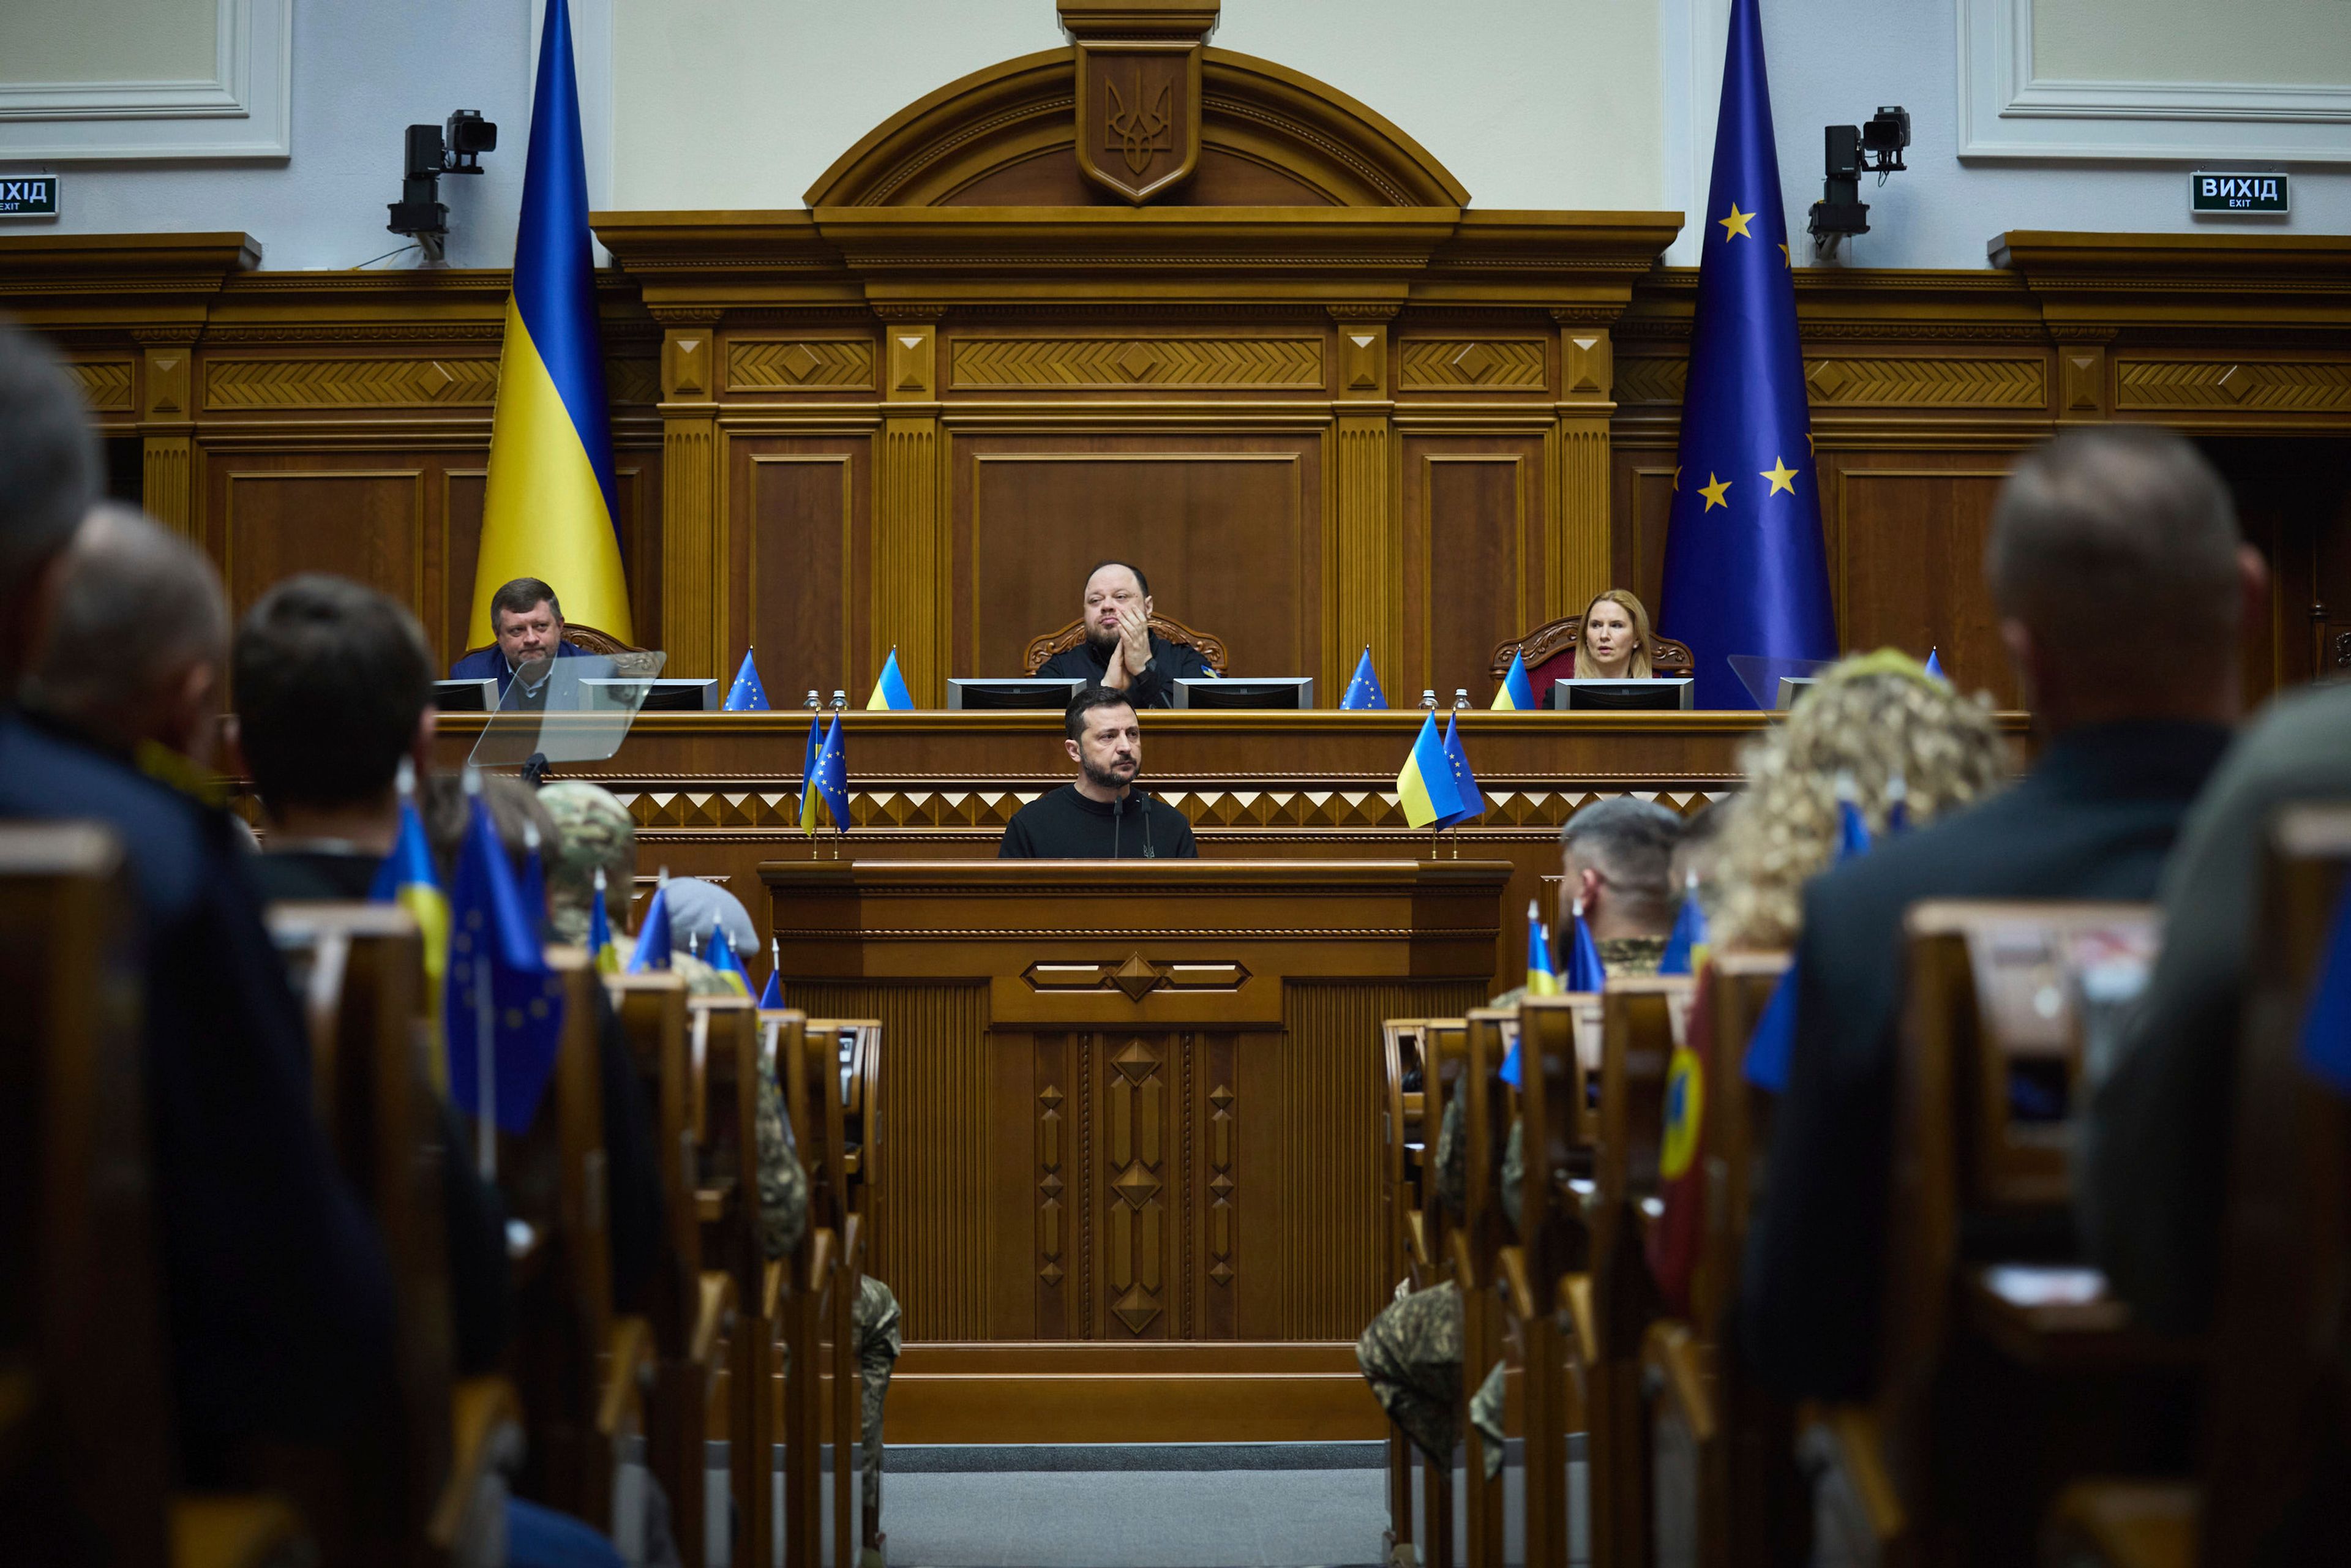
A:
[1135,132]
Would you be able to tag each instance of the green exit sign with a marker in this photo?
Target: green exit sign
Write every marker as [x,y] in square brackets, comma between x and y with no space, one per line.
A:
[29,195]
[2219,190]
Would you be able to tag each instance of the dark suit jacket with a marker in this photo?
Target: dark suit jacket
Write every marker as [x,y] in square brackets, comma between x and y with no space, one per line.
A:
[1154,687]
[277,1297]
[2153,1146]
[2094,819]
[487,663]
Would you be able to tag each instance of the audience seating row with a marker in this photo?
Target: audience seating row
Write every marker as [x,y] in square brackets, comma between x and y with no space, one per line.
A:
[2018,1407]
[583,1381]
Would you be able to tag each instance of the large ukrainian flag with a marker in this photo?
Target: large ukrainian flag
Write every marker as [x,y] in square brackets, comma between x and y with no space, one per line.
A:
[549,512]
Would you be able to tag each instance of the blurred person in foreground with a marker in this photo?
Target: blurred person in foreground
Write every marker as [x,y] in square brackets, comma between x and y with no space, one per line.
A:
[2111,549]
[276,1294]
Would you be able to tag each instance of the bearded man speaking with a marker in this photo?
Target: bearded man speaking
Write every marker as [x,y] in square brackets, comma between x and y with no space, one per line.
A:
[1102,816]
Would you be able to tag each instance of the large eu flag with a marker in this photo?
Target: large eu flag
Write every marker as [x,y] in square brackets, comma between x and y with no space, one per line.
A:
[1746,572]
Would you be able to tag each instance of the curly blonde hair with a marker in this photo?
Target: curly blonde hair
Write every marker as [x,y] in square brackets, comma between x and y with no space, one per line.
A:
[1874,718]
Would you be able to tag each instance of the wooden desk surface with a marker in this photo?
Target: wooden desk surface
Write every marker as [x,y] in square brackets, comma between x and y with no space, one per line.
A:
[717,794]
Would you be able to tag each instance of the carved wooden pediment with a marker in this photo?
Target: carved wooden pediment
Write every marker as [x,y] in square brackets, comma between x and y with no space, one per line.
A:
[1007,136]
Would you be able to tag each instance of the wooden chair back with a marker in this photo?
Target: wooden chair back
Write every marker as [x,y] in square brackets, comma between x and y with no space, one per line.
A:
[724,1050]
[1211,648]
[686,1306]
[359,969]
[1735,1126]
[817,1093]
[85,1430]
[1641,1020]
[1551,1247]
[2280,1394]
[1550,653]
[1401,1258]
[1446,1047]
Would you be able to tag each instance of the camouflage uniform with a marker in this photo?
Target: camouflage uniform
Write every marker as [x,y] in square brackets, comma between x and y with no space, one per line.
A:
[783,1220]
[1411,1354]
[592,831]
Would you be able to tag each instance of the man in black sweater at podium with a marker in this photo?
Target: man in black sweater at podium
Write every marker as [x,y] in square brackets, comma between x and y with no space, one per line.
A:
[1102,816]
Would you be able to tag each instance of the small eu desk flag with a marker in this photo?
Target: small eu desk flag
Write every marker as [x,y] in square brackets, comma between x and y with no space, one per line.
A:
[1935,665]
[1517,693]
[2327,1027]
[890,688]
[1425,786]
[746,695]
[772,998]
[655,940]
[1469,801]
[504,1007]
[1363,690]
[548,509]
[828,780]
[1746,571]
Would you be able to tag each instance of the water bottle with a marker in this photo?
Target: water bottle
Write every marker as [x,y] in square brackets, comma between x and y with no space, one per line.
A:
[812,705]
[1460,696]
[840,701]
[1428,701]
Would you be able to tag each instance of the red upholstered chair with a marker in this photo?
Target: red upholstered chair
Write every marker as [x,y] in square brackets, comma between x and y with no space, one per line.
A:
[1550,653]
[1209,648]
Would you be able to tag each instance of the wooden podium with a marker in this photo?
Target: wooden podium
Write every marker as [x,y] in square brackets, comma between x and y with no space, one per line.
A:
[1128,1187]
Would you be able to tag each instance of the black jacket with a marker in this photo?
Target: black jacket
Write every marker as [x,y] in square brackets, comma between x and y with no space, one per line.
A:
[277,1296]
[2094,820]
[1065,825]
[1154,687]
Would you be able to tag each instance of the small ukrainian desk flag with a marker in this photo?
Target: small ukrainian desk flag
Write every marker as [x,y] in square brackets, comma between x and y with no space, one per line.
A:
[1935,665]
[1425,786]
[890,688]
[547,510]
[1363,692]
[746,695]
[722,959]
[1543,980]
[808,754]
[407,879]
[1686,948]
[1517,693]
[603,951]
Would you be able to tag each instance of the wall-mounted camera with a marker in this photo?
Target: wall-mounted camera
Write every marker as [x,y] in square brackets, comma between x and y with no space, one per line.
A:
[434,151]
[1853,150]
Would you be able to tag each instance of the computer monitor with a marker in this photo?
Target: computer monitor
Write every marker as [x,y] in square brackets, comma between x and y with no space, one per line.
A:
[1258,691]
[1790,688]
[1051,694]
[1588,694]
[679,695]
[466,696]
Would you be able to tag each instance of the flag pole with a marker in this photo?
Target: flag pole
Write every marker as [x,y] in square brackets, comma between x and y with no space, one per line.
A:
[485,1077]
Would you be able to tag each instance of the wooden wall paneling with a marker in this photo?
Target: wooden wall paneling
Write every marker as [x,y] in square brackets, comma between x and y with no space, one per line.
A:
[1579,517]
[1474,547]
[167,426]
[1641,501]
[799,524]
[1369,548]
[463,493]
[693,558]
[321,512]
[912,552]
[1227,524]
[1906,549]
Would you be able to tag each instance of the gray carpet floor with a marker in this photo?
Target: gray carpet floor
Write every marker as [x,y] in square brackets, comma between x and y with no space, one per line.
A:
[1206,1505]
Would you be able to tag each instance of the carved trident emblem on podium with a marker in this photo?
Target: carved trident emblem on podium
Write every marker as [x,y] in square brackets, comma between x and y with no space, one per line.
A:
[1138,132]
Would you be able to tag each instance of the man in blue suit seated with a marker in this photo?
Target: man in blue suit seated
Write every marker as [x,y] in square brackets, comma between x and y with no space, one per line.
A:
[529,625]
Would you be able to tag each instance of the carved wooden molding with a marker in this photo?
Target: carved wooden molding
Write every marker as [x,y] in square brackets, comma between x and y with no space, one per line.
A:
[2279,385]
[2009,383]
[1488,363]
[802,364]
[1023,110]
[1211,648]
[1003,364]
[105,383]
[353,382]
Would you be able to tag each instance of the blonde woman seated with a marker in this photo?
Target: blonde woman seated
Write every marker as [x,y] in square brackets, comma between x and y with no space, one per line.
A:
[1613,642]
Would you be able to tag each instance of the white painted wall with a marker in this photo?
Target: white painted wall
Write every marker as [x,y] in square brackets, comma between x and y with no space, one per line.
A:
[742,103]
